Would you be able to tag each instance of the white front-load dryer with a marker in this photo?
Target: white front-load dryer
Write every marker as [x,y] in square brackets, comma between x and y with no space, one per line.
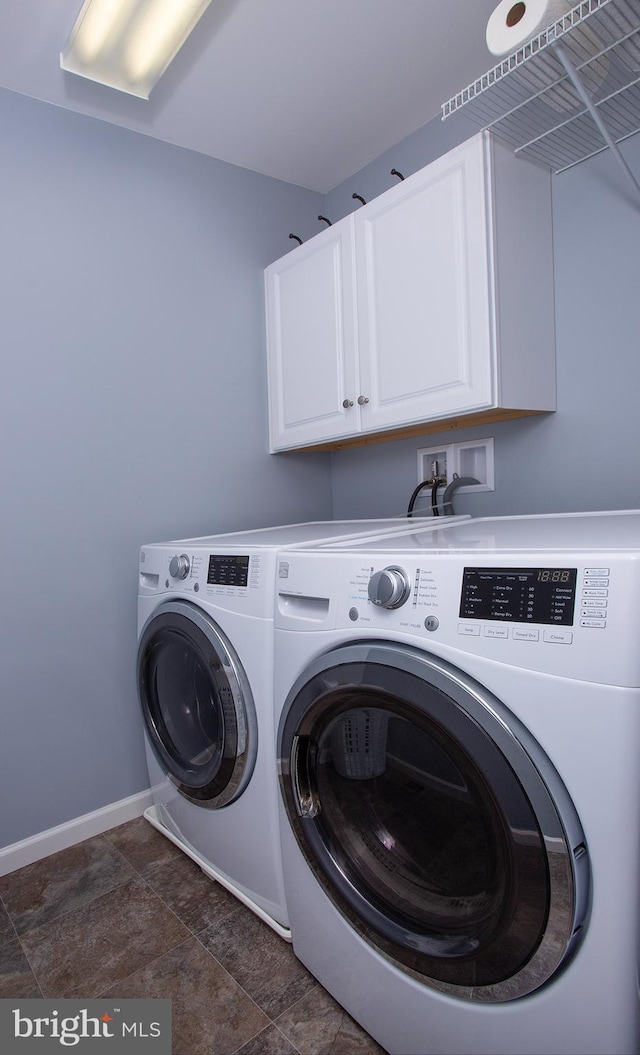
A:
[205,683]
[458,730]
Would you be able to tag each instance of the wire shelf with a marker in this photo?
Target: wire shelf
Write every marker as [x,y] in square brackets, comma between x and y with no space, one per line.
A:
[533,102]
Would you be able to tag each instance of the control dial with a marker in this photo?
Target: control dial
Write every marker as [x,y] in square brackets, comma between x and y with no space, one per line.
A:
[179,567]
[389,588]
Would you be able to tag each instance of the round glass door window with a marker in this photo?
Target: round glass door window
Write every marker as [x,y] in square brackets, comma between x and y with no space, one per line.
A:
[428,823]
[197,705]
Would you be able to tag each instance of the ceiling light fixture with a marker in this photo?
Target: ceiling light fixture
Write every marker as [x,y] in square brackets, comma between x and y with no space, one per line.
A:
[128,44]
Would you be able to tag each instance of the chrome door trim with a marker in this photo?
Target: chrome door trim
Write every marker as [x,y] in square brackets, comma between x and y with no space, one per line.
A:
[562,836]
[241,696]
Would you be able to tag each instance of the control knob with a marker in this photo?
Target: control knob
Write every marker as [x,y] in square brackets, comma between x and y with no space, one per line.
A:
[179,567]
[389,588]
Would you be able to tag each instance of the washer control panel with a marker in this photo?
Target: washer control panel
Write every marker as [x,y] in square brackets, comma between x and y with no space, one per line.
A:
[230,580]
[228,570]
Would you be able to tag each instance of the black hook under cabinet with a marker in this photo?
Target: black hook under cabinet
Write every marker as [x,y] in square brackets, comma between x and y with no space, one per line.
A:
[394,172]
[359,197]
[325,220]
[298,240]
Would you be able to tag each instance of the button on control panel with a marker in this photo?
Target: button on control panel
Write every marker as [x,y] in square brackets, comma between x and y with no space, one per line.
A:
[469,629]
[525,634]
[500,632]
[557,637]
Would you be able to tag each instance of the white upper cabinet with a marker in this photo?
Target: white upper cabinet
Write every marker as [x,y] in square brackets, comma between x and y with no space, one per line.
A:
[432,302]
[312,340]
[423,294]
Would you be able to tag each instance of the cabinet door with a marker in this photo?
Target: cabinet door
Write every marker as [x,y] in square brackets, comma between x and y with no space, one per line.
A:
[311,341]
[424,293]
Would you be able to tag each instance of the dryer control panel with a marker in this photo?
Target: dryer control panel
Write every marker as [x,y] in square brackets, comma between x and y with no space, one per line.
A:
[544,612]
[519,595]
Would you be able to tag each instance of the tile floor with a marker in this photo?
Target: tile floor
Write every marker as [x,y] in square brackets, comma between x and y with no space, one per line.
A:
[126,914]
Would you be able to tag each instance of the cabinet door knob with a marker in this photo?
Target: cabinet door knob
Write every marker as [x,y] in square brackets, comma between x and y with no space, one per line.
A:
[346,403]
[362,400]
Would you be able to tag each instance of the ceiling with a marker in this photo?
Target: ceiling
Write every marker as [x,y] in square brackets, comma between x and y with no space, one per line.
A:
[308,91]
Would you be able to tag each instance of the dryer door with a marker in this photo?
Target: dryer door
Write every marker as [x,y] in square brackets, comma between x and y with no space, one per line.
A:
[433,820]
[197,705]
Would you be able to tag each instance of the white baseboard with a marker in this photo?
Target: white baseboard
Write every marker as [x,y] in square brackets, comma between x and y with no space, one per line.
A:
[17,855]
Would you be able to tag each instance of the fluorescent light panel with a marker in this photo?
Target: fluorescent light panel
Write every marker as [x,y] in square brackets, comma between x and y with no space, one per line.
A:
[128,44]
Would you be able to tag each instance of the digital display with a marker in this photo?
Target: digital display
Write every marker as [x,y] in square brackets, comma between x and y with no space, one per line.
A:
[519,595]
[228,570]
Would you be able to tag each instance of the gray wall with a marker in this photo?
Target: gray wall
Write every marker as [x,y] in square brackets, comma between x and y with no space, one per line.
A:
[584,456]
[133,409]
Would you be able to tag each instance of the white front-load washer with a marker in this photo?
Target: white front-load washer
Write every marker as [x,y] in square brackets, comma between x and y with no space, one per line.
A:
[458,730]
[205,683]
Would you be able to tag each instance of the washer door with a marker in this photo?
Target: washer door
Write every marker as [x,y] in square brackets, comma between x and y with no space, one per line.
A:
[433,820]
[197,705]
